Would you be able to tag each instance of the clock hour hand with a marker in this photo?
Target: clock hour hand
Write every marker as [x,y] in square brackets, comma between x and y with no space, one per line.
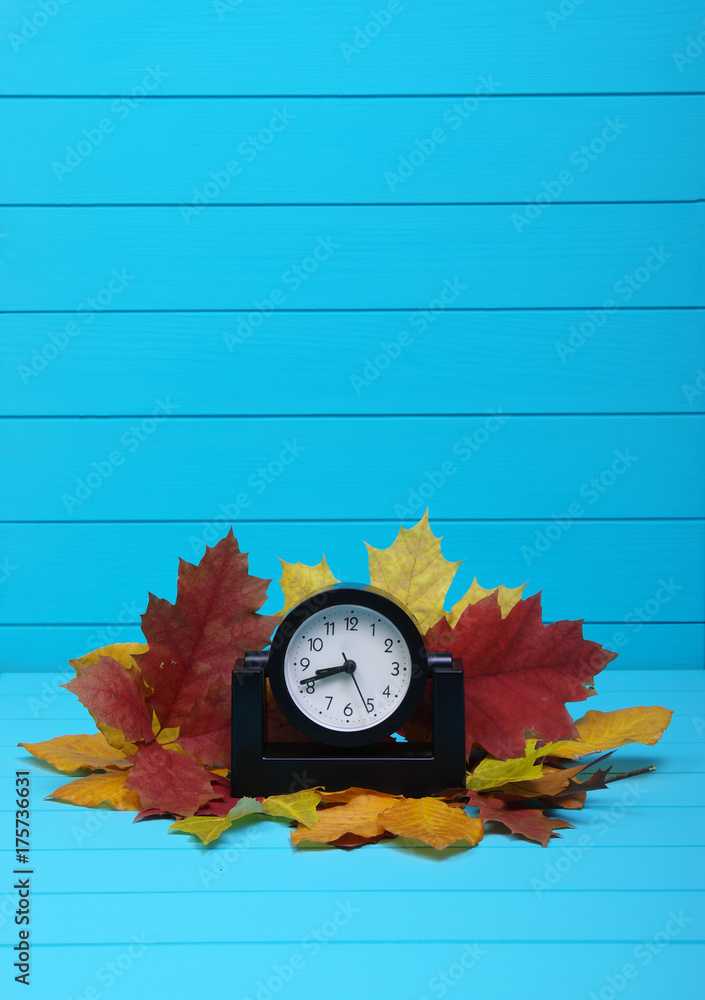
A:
[325,672]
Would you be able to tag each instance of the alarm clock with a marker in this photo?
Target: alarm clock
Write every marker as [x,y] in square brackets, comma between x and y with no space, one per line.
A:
[348,667]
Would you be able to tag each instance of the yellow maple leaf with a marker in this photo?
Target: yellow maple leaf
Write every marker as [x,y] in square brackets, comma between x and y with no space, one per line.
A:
[300,806]
[432,821]
[298,581]
[70,753]
[358,816]
[123,652]
[507,597]
[493,773]
[98,788]
[601,731]
[413,570]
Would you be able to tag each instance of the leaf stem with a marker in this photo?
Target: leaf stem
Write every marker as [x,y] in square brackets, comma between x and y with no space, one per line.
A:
[629,774]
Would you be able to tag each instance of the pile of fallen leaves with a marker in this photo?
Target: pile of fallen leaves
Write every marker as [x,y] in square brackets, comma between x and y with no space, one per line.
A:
[163,709]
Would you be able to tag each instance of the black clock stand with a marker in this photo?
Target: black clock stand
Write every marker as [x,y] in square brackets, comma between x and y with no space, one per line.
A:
[261,768]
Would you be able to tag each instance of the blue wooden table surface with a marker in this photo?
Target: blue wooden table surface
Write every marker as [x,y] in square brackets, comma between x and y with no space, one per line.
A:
[125,909]
[380,239]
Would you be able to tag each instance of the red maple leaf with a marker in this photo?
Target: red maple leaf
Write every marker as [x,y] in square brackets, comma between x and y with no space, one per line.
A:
[194,643]
[115,696]
[533,824]
[519,673]
[168,781]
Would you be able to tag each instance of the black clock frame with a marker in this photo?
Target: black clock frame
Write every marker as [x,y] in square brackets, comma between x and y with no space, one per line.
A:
[340,595]
[260,767]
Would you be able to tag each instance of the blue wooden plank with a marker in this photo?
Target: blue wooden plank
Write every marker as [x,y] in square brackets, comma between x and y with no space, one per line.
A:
[379,916]
[384,967]
[194,152]
[232,47]
[584,256]
[381,867]
[555,361]
[598,570]
[60,706]
[36,648]
[661,791]
[488,467]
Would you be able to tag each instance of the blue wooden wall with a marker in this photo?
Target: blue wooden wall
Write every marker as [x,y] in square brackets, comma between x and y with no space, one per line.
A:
[286,266]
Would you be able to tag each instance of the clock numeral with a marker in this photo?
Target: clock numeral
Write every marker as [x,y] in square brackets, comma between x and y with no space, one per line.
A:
[389,645]
[305,662]
[372,626]
[348,710]
[311,687]
[315,644]
[351,624]
[396,668]
[386,692]
[330,628]
[370,705]
[330,702]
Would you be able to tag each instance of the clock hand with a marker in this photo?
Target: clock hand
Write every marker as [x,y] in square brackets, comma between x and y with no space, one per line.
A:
[324,672]
[352,674]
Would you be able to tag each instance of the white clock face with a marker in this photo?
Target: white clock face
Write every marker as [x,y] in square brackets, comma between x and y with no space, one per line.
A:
[369,664]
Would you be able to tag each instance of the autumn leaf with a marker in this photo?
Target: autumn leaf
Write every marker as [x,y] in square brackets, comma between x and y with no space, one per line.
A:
[70,753]
[299,581]
[116,698]
[95,789]
[169,781]
[358,816]
[193,645]
[518,673]
[493,773]
[209,828]
[348,794]
[432,821]
[533,824]
[552,782]
[600,731]
[299,806]
[413,570]
[506,596]
[123,652]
